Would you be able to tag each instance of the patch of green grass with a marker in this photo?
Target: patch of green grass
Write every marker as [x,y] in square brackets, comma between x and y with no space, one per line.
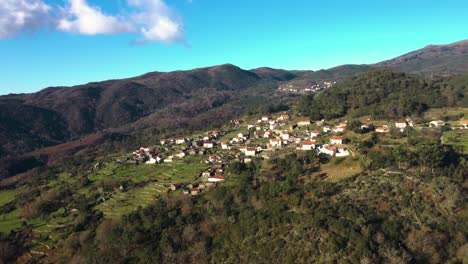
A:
[7,196]
[457,138]
[125,202]
[440,113]
[13,220]
[10,221]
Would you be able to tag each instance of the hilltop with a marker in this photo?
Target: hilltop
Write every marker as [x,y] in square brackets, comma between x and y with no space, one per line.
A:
[432,59]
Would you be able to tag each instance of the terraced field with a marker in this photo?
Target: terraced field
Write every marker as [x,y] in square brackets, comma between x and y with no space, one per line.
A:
[124,202]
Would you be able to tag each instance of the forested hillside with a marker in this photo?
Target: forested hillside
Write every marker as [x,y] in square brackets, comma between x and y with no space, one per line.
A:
[382,93]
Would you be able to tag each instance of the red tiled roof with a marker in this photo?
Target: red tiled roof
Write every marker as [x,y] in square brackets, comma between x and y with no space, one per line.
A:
[336,138]
[309,142]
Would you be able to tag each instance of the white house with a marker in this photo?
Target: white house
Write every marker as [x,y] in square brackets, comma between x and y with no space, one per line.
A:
[341,151]
[168,159]
[367,126]
[303,123]
[180,141]
[381,129]
[225,145]
[339,128]
[180,155]
[163,141]
[275,142]
[308,145]
[329,150]
[250,151]
[336,140]
[216,178]
[314,133]
[285,135]
[464,123]
[267,134]
[265,118]
[152,160]
[283,117]
[437,123]
[326,129]
[208,144]
[401,124]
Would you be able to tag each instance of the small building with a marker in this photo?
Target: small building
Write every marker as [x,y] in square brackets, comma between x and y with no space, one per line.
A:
[175,186]
[265,118]
[367,126]
[382,129]
[283,117]
[336,140]
[163,141]
[225,145]
[328,150]
[180,155]
[250,151]
[436,123]
[464,123]
[206,174]
[285,135]
[341,151]
[179,141]
[303,123]
[152,160]
[195,191]
[267,134]
[401,124]
[216,178]
[275,142]
[326,129]
[247,160]
[208,144]
[308,145]
[314,133]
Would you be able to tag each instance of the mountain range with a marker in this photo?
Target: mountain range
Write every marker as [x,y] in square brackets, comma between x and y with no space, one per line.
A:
[61,121]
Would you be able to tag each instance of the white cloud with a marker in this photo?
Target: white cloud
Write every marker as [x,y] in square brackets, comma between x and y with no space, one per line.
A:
[22,15]
[90,20]
[157,21]
[153,19]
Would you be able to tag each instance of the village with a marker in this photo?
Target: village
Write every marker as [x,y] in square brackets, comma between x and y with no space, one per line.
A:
[246,139]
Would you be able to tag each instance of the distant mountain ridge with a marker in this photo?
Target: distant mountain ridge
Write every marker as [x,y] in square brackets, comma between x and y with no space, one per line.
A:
[437,59]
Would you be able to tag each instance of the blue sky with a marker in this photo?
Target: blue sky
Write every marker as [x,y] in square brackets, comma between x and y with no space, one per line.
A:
[68,42]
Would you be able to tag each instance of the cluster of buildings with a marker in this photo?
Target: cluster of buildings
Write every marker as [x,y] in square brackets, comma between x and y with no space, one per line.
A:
[303,88]
[257,138]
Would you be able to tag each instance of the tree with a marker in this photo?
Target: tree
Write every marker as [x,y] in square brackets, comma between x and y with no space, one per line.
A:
[355,126]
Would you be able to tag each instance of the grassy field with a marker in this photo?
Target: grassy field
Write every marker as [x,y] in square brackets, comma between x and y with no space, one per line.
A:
[155,176]
[440,113]
[185,170]
[124,202]
[457,138]
[13,221]
[7,196]
[341,168]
